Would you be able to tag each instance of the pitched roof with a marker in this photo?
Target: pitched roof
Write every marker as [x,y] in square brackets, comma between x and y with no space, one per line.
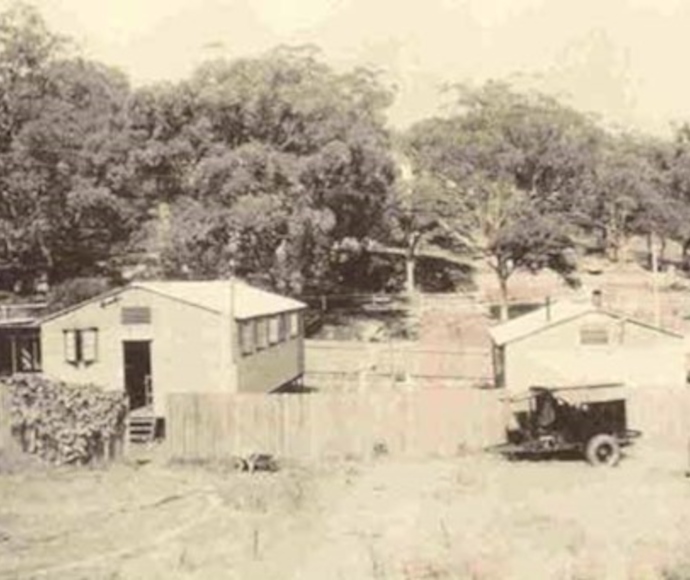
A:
[550,315]
[243,300]
[221,296]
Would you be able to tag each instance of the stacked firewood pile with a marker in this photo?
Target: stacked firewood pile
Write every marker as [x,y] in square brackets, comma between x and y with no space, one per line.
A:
[65,423]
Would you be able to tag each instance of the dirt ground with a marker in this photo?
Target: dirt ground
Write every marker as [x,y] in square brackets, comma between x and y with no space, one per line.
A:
[475,517]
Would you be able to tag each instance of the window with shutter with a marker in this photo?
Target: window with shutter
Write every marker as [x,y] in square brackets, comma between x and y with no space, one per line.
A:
[81,345]
[70,340]
[89,345]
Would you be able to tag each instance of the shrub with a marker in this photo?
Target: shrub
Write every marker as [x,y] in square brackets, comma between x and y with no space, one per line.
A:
[65,423]
[75,291]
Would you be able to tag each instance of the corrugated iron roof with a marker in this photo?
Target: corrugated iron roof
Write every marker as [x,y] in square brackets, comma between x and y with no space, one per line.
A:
[552,314]
[25,322]
[224,296]
[537,320]
[576,393]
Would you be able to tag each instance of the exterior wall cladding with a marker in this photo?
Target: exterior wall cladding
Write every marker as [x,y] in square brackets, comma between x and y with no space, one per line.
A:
[632,354]
[192,349]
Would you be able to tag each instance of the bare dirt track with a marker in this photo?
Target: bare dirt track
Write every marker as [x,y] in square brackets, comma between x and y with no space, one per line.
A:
[471,517]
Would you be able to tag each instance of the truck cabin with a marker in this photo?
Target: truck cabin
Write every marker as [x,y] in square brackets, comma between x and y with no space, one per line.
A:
[573,411]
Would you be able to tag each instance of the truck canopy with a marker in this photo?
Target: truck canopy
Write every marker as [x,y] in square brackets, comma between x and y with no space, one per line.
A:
[576,394]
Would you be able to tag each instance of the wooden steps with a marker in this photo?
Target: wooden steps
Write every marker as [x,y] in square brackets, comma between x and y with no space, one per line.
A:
[141,429]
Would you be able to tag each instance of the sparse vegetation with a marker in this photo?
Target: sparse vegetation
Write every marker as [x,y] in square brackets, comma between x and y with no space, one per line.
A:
[467,517]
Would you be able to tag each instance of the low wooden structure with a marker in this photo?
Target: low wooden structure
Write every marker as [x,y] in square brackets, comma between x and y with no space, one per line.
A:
[152,339]
[582,342]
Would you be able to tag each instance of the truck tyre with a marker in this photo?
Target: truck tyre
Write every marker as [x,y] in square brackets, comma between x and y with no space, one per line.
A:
[603,450]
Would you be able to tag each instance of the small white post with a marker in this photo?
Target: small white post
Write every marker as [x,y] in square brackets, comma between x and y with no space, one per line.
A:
[655,286]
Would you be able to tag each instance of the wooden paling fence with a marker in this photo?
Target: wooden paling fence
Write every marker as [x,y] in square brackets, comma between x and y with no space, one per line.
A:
[348,365]
[662,414]
[419,423]
[432,422]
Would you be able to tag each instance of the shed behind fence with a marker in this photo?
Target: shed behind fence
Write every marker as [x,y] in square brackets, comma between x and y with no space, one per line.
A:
[437,422]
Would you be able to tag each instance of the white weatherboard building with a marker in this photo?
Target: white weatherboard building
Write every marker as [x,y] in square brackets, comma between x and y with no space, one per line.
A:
[579,342]
[155,338]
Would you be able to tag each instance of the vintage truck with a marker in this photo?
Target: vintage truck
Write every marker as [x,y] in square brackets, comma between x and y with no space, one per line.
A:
[588,420]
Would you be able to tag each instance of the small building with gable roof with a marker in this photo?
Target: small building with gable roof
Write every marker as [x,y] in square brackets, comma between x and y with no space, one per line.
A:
[151,339]
[575,342]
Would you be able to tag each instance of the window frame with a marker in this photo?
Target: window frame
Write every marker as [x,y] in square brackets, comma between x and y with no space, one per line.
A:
[33,345]
[283,327]
[70,345]
[294,324]
[261,333]
[273,324]
[74,346]
[247,337]
[92,355]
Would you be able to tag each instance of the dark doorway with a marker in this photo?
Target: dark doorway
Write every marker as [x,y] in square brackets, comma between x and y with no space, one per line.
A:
[137,354]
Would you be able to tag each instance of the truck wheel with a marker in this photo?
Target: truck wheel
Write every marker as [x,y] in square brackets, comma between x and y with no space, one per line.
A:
[603,450]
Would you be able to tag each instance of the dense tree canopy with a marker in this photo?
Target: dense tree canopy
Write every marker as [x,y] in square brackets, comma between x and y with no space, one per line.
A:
[508,168]
[281,158]
[259,165]
[281,169]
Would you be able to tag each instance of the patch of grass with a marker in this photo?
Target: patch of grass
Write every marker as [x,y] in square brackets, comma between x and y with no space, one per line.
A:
[680,571]
[12,462]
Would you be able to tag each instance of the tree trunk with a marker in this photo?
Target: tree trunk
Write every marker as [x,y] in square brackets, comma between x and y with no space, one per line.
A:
[614,255]
[686,250]
[650,251]
[409,273]
[503,285]
[411,262]
[613,239]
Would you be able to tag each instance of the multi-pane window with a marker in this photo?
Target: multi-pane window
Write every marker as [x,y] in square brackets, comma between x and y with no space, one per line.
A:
[282,327]
[261,333]
[81,345]
[594,334]
[274,329]
[294,324]
[246,329]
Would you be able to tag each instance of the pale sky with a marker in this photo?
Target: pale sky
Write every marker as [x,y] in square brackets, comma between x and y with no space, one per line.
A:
[623,59]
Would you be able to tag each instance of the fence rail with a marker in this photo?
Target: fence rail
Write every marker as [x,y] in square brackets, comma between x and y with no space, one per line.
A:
[437,422]
[31,311]
[397,360]
[339,381]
